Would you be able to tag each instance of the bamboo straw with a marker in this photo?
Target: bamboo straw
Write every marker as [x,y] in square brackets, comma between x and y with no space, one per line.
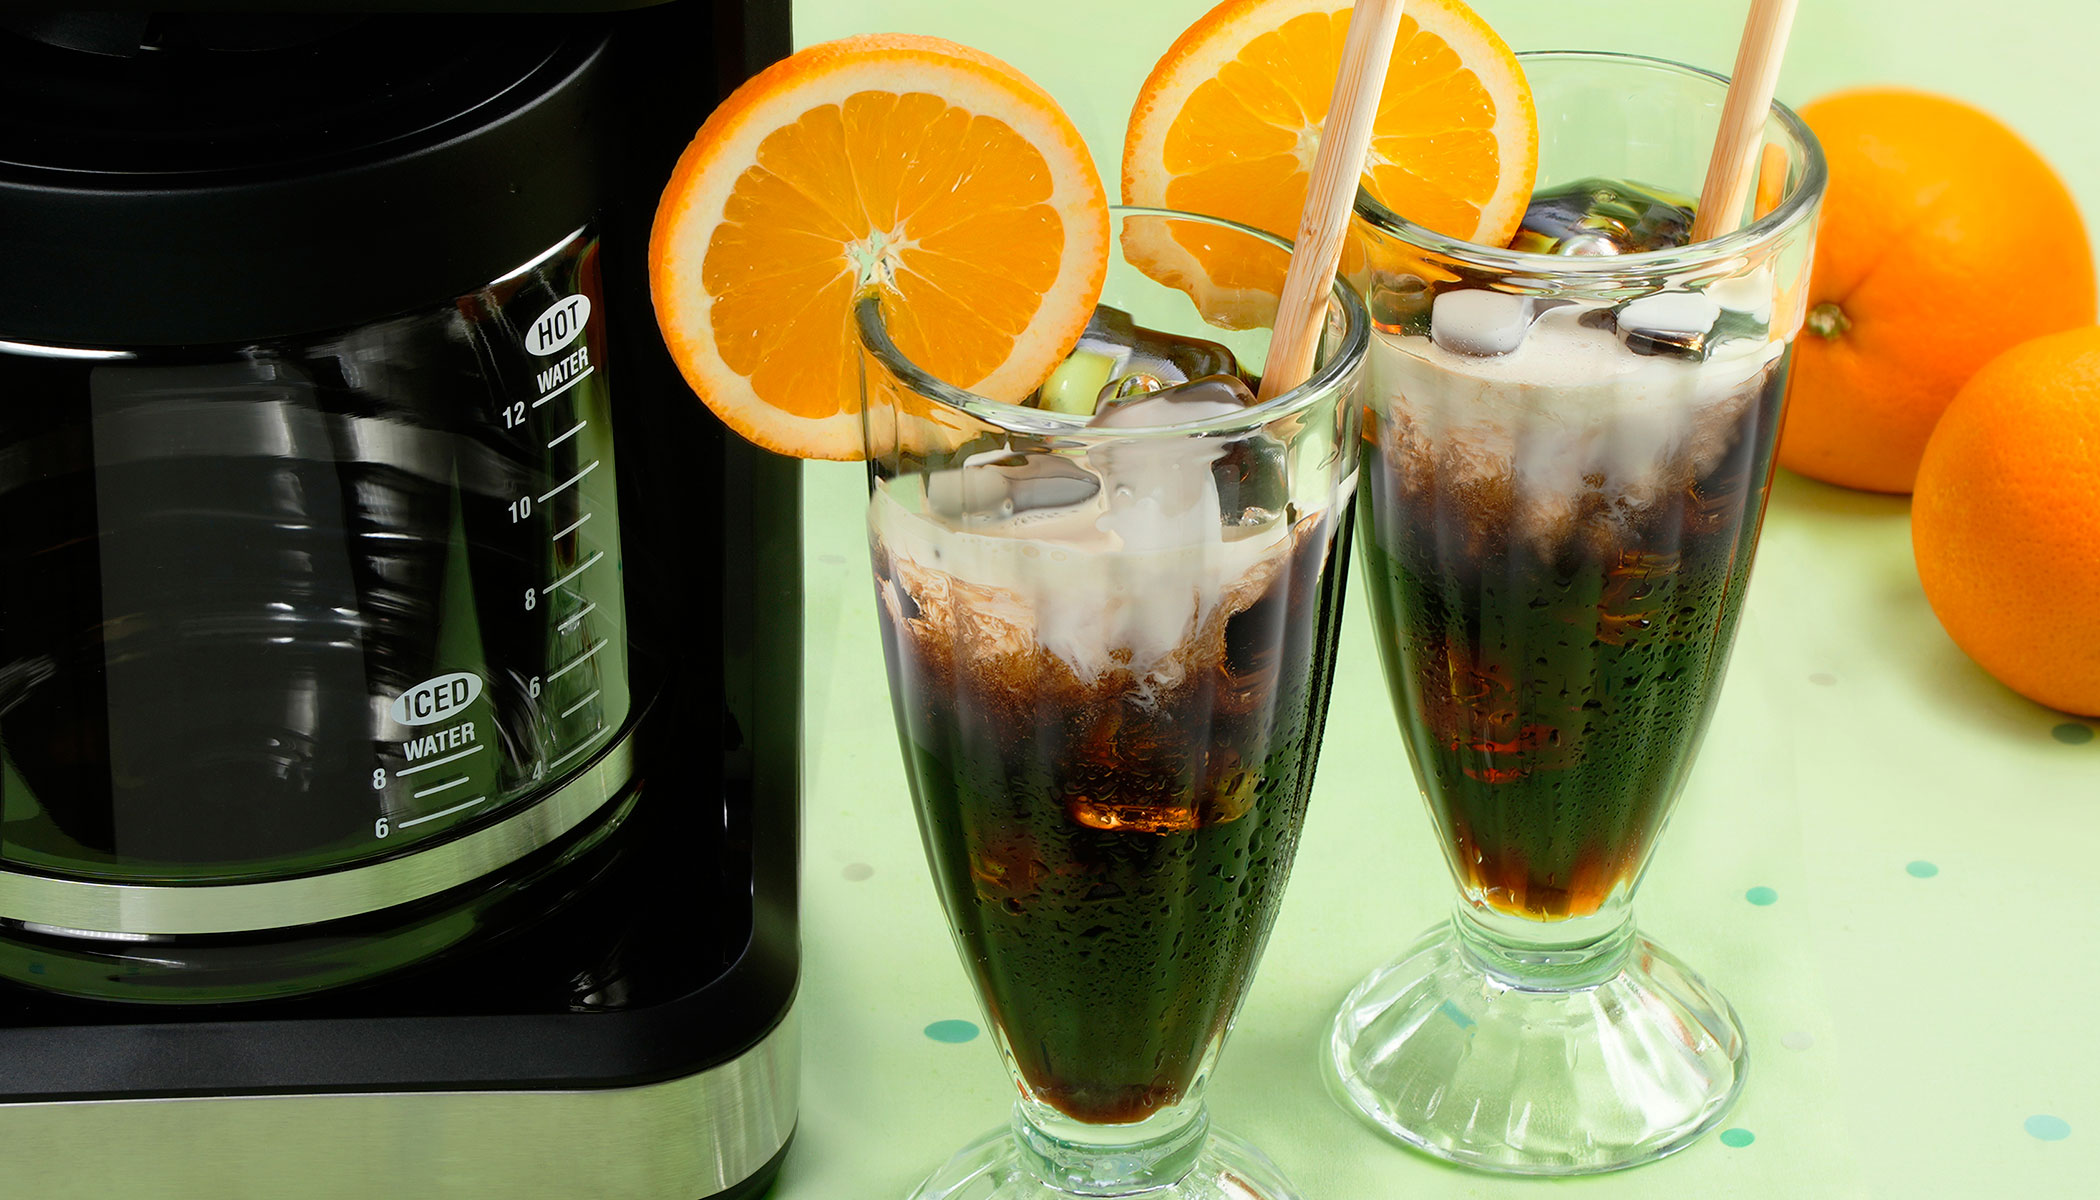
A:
[1366,51]
[1735,160]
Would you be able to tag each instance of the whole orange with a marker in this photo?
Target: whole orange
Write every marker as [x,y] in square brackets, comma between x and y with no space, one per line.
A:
[2005,522]
[1945,240]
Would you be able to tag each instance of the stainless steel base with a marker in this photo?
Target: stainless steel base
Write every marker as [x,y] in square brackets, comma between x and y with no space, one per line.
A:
[690,1138]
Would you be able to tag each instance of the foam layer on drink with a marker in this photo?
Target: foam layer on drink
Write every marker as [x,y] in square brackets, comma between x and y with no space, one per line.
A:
[1571,434]
[1124,581]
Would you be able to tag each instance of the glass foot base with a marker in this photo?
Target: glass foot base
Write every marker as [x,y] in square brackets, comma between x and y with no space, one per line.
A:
[993,1168]
[1496,1073]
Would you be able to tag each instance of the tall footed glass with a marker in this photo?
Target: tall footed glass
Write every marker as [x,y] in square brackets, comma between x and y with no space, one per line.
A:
[1565,463]
[1109,637]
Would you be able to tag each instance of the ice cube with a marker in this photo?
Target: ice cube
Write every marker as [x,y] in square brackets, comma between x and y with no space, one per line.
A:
[1162,493]
[1247,471]
[1197,400]
[1604,216]
[1480,323]
[1749,293]
[1400,304]
[998,484]
[1037,482]
[1252,487]
[1123,387]
[1746,302]
[1109,331]
[1675,324]
[1588,243]
[970,490]
[1136,350]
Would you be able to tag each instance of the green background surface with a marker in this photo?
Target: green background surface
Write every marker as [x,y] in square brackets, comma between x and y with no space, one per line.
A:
[1904,1029]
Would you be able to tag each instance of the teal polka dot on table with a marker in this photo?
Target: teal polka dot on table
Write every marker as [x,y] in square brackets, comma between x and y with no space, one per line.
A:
[1455,1015]
[952,1032]
[1921,869]
[2048,1128]
[2071,733]
[1737,1138]
[1761,896]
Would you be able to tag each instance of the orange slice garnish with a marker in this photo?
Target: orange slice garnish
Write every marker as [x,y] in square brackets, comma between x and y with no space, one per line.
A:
[929,172]
[1229,120]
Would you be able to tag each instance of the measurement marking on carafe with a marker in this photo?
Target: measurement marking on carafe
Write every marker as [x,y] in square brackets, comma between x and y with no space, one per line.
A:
[448,785]
[572,481]
[443,812]
[439,762]
[575,617]
[573,527]
[582,746]
[581,567]
[560,438]
[573,663]
[579,378]
[570,711]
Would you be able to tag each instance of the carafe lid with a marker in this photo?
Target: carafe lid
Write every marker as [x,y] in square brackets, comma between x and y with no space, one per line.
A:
[192,179]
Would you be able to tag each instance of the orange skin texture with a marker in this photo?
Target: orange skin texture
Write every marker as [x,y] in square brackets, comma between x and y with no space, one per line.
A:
[1945,240]
[2005,523]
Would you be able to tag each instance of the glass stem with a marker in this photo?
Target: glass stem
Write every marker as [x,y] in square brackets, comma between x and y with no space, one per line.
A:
[1546,955]
[1111,1160]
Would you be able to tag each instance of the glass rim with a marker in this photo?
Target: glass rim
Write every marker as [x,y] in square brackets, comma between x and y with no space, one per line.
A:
[1798,206]
[1327,378]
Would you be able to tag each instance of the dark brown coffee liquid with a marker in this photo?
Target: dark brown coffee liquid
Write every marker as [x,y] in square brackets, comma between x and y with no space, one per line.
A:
[1553,691]
[1111,852]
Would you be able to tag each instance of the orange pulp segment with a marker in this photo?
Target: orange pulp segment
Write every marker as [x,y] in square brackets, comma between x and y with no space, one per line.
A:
[1229,120]
[930,173]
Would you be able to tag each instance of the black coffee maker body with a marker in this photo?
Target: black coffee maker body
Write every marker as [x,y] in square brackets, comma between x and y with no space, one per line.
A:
[398,669]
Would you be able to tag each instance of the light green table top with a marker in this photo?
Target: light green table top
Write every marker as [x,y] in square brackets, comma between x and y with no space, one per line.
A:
[1917,982]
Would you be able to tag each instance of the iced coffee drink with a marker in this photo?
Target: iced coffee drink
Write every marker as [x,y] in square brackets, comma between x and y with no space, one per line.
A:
[1566,448]
[1109,618]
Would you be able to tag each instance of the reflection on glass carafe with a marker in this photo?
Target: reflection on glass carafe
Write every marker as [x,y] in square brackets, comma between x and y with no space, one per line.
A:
[293,605]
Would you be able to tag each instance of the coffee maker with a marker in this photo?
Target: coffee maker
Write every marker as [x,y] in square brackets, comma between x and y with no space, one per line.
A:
[399,669]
